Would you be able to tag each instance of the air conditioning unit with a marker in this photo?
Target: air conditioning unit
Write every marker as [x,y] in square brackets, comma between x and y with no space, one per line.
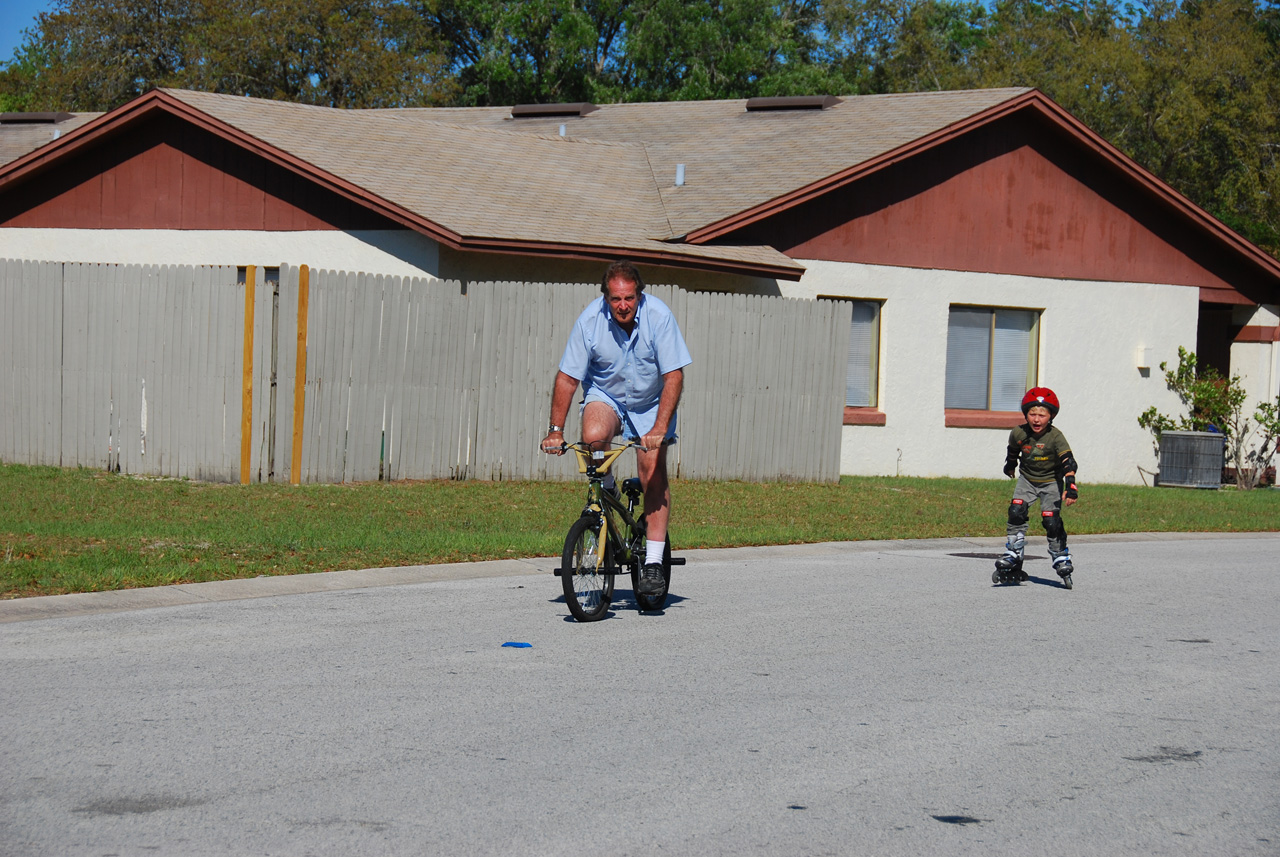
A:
[1191,459]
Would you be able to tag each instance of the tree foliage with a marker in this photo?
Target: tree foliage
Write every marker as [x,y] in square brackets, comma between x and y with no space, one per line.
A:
[97,54]
[1189,88]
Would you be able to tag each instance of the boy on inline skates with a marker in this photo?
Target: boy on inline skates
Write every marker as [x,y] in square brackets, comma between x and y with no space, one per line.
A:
[1041,457]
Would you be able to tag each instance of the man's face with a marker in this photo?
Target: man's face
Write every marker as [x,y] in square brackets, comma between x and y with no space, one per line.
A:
[623,298]
[1038,417]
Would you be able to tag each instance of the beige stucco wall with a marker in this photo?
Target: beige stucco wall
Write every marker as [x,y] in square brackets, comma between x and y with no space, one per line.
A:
[1089,336]
[397,252]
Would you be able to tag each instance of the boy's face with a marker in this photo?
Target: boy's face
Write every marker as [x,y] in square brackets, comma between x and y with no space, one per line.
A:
[1038,417]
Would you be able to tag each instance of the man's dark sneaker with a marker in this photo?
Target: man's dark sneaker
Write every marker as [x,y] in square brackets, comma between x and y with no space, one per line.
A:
[651,581]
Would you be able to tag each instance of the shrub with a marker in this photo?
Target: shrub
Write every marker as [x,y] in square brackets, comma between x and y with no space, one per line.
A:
[1215,403]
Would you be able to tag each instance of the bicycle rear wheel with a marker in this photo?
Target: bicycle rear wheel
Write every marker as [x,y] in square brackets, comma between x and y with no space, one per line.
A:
[659,600]
[587,589]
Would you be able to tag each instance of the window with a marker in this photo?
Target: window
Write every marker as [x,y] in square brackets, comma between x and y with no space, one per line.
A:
[862,369]
[862,375]
[991,357]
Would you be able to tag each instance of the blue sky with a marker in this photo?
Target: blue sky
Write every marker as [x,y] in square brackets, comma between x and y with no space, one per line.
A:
[16,16]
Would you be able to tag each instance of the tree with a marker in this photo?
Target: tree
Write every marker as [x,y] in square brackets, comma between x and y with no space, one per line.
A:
[514,52]
[338,53]
[1200,106]
[682,50]
[937,44]
[97,54]
[1215,403]
[93,55]
[507,51]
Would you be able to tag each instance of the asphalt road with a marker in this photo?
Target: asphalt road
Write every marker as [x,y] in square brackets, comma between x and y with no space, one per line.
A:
[863,698]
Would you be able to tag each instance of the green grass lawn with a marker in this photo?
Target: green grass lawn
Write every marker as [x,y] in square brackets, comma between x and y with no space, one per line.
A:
[82,530]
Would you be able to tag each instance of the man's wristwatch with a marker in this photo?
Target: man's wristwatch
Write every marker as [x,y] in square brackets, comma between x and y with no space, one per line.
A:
[553,428]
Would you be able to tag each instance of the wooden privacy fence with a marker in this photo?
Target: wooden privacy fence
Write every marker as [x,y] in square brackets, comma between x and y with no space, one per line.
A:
[335,377]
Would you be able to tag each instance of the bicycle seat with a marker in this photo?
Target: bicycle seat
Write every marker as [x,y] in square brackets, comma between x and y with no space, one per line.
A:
[631,487]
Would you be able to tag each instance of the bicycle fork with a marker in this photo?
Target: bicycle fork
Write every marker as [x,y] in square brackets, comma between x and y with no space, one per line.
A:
[610,538]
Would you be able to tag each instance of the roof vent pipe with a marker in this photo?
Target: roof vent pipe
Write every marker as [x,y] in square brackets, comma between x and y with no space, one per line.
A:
[679,175]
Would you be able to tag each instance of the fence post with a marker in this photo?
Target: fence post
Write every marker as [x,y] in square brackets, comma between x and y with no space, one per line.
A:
[300,375]
[246,383]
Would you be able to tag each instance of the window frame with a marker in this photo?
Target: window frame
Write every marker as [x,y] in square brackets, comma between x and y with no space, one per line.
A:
[987,417]
[865,415]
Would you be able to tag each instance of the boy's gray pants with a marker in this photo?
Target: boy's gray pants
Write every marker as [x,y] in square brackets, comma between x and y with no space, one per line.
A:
[1050,497]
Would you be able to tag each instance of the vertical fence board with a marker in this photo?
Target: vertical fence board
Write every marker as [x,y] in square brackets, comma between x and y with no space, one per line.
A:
[397,355]
[351,316]
[10,322]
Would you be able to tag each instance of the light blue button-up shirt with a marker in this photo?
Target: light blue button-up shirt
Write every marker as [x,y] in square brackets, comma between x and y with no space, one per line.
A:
[626,369]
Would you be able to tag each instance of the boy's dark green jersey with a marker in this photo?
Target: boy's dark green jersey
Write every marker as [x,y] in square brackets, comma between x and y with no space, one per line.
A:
[1039,458]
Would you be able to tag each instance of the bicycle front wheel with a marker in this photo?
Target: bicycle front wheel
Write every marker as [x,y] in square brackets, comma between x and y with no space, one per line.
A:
[588,589]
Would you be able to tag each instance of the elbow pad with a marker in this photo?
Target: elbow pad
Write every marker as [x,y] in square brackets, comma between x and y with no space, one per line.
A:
[1066,463]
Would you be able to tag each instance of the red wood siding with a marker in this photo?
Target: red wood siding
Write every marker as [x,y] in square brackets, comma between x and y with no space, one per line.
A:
[1256,333]
[165,174]
[1010,198]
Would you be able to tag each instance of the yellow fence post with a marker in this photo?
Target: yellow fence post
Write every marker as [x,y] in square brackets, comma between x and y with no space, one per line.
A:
[300,376]
[246,383]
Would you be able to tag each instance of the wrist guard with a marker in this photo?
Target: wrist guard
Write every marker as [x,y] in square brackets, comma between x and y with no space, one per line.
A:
[1070,491]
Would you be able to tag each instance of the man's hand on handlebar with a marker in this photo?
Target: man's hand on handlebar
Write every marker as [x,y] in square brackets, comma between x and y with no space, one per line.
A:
[653,440]
[553,443]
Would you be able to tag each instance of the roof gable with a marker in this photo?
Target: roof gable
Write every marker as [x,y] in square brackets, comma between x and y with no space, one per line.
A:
[1012,196]
[1023,188]
[168,174]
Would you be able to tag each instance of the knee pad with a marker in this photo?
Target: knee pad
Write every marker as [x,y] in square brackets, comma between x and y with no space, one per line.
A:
[1053,527]
[1018,512]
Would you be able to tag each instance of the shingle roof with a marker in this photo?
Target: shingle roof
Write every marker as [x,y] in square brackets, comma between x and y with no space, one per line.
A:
[17,138]
[478,177]
[610,181]
[734,159]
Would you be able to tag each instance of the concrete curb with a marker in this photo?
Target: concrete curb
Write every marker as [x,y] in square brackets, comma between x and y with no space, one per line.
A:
[79,604]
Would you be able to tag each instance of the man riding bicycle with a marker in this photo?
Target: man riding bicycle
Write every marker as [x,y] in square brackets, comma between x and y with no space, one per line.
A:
[627,352]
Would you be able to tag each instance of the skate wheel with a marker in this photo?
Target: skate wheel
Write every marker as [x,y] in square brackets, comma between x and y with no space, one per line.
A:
[1066,581]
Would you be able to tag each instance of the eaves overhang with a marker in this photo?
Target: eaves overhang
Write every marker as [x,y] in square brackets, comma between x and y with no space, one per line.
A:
[1032,100]
[118,121]
[656,255]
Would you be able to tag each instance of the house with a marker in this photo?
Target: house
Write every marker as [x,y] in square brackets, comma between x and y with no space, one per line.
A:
[984,241]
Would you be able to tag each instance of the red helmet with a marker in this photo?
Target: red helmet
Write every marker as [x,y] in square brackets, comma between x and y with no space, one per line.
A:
[1042,396]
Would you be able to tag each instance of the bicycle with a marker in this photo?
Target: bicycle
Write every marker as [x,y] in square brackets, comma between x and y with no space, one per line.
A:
[607,540]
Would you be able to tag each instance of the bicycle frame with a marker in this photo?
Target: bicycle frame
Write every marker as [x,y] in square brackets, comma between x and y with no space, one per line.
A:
[587,569]
[595,463]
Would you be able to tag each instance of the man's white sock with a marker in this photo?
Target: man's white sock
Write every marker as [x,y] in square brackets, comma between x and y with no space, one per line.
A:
[653,551]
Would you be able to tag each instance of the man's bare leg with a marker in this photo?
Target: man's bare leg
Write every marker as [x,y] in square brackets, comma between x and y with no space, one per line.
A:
[652,466]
